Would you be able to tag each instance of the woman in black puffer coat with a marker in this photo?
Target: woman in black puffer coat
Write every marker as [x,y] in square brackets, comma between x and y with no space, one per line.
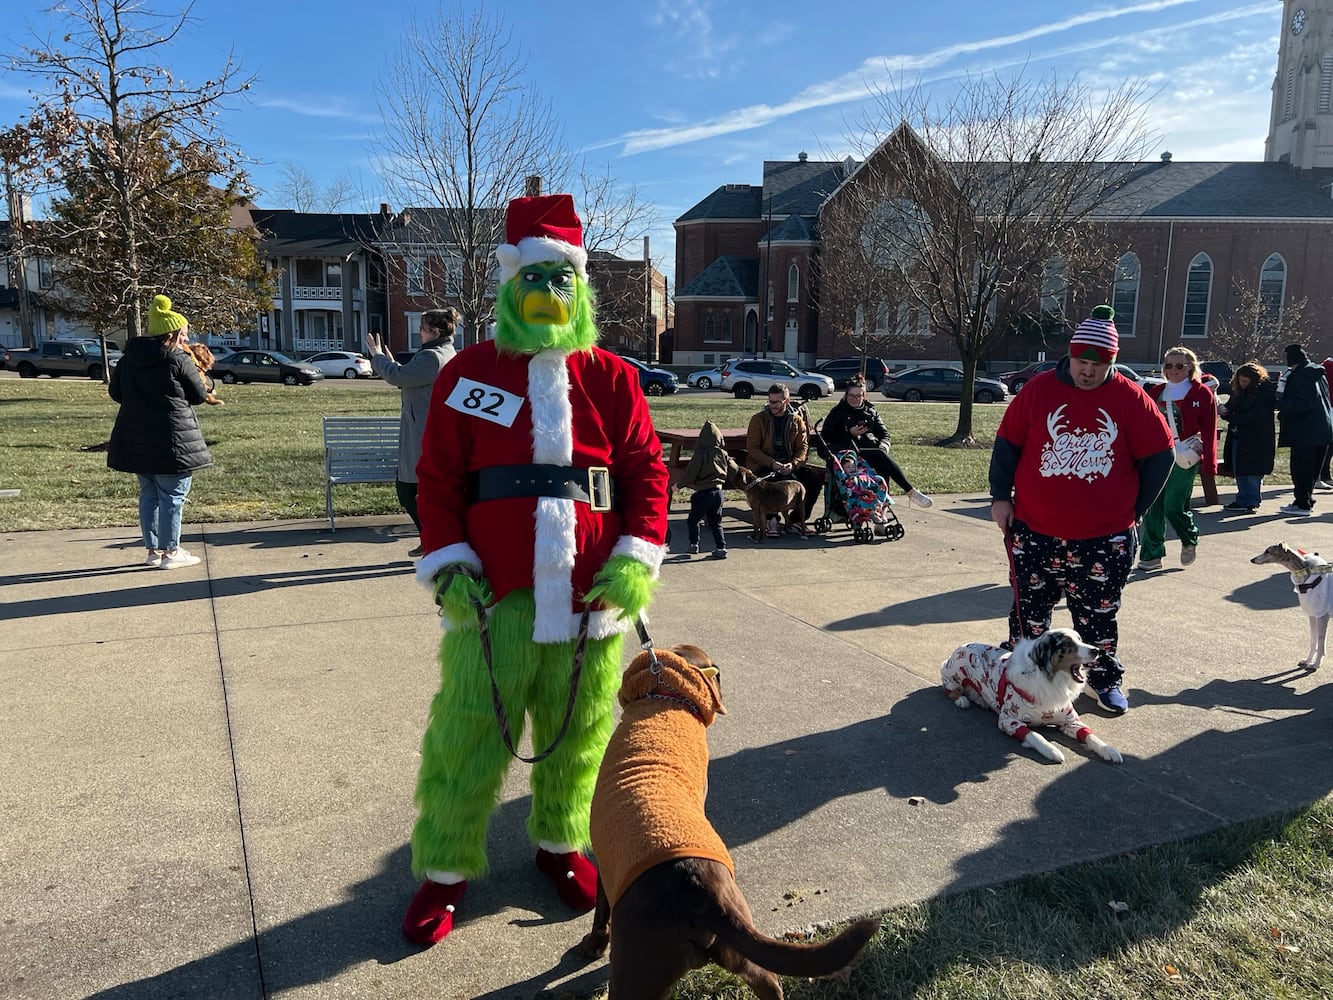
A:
[854,425]
[156,435]
[1251,436]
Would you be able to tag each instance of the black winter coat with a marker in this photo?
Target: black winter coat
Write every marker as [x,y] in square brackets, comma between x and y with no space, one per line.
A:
[156,432]
[837,428]
[1251,436]
[1304,410]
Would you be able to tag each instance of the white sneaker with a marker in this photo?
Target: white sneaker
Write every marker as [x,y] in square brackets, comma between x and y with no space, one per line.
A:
[1323,484]
[177,560]
[919,499]
[154,558]
[1291,508]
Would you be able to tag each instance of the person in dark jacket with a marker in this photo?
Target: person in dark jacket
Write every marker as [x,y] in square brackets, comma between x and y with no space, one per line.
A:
[1306,417]
[708,472]
[854,425]
[1251,441]
[156,436]
[415,379]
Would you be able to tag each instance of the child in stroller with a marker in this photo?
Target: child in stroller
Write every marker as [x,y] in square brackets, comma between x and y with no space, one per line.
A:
[865,496]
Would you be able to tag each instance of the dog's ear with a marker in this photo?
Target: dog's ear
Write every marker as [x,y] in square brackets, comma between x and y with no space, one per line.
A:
[713,678]
[1043,651]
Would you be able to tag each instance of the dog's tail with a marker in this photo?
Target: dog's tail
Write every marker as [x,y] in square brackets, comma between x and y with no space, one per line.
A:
[792,958]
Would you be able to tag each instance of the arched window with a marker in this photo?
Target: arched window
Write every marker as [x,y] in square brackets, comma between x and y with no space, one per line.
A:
[1054,288]
[726,328]
[1272,285]
[710,327]
[1125,293]
[793,284]
[1198,292]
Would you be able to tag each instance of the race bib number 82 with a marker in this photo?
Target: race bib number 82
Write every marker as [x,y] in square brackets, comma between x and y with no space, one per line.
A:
[477,399]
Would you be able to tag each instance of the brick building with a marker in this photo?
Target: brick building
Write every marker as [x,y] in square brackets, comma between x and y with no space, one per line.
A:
[1182,239]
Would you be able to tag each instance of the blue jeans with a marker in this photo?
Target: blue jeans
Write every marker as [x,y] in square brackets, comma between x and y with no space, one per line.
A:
[160,501]
[1247,490]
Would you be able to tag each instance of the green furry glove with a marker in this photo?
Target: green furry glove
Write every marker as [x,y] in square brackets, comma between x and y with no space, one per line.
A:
[624,583]
[457,586]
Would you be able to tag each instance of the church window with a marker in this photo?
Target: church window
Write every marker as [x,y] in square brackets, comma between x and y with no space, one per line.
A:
[726,328]
[1125,294]
[1054,288]
[1272,285]
[710,327]
[793,284]
[1198,291]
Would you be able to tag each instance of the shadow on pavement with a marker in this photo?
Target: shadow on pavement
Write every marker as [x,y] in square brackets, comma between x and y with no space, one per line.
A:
[984,602]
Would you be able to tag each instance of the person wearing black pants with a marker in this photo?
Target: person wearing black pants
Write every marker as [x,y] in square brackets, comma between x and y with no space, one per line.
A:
[854,425]
[1306,419]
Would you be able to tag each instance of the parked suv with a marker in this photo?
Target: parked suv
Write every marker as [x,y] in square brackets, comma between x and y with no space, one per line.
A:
[747,376]
[841,369]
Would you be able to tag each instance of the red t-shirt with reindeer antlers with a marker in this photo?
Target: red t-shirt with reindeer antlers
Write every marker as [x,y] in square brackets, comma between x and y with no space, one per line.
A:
[1076,474]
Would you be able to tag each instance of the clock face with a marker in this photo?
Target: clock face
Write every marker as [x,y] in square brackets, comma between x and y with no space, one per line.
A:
[1298,21]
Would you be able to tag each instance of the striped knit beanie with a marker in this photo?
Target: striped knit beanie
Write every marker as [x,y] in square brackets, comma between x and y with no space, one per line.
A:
[1096,338]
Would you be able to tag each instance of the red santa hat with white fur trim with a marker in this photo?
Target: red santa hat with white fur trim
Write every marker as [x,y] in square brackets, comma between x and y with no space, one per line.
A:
[538,229]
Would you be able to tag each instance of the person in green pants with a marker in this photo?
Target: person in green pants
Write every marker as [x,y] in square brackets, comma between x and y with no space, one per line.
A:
[1190,409]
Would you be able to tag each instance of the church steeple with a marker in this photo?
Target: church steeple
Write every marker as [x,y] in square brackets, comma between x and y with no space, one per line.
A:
[1300,124]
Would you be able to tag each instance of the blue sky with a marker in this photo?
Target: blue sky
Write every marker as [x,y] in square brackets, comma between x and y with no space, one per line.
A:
[679,96]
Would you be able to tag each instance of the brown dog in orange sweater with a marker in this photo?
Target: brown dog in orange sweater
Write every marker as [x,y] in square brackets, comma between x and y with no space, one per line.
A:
[667,899]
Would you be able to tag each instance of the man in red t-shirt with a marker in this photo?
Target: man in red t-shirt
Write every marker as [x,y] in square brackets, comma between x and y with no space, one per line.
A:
[1080,454]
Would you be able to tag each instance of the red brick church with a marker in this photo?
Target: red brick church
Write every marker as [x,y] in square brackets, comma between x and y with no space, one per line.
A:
[1188,235]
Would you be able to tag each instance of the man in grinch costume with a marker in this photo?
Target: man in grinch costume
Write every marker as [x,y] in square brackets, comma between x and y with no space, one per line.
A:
[543,500]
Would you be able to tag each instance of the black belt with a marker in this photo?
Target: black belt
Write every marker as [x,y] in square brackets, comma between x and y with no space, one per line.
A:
[593,486]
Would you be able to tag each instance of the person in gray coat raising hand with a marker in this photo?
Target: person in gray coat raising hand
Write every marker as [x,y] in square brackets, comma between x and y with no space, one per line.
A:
[415,380]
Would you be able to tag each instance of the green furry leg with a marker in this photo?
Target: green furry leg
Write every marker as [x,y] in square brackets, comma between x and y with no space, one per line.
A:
[562,785]
[463,758]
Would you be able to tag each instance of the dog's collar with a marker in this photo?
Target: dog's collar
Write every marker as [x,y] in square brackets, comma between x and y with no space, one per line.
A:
[668,695]
[1310,584]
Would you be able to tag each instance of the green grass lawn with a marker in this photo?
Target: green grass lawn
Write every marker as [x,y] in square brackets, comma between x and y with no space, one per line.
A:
[267,450]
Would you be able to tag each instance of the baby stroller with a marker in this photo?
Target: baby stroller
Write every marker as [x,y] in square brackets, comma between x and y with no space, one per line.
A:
[855,493]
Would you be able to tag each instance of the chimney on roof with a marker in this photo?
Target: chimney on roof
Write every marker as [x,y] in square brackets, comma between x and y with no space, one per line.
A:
[802,156]
[385,210]
[532,186]
[1166,157]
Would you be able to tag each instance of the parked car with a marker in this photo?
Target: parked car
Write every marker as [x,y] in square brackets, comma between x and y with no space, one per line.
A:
[221,352]
[940,382]
[265,366]
[706,379]
[341,364]
[1014,381]
[747,376]
[60,357]
[403,357]
[653,381]
[841,369]
[1143,381]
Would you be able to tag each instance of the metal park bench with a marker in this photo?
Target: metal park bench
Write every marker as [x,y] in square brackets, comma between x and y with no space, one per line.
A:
[358,450]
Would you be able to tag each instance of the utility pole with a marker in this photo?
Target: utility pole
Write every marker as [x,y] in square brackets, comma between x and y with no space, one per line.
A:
[648,330]
[19,275]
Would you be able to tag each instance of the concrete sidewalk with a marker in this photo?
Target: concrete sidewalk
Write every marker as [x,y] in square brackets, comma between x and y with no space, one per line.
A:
[208,773]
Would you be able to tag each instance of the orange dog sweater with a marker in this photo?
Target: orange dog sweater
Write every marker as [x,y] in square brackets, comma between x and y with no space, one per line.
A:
[649,803]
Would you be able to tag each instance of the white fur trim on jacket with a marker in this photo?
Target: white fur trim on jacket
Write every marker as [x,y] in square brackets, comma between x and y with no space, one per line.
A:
[554,541]
[429,565]
[535,250]
[638,548]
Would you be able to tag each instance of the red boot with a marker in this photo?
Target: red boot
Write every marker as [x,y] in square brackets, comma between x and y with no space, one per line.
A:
[574,876]
[430,915]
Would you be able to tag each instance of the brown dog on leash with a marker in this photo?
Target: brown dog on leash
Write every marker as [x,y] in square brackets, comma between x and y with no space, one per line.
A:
[770,497]
[667,899]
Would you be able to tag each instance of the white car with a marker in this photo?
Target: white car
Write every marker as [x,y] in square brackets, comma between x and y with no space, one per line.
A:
[709,378]
[751,376]
[341,364]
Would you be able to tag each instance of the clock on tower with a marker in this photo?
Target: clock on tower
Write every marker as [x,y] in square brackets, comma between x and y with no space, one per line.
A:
[1298,21]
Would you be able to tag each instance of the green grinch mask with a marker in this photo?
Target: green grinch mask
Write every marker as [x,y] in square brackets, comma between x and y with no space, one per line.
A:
[545,305]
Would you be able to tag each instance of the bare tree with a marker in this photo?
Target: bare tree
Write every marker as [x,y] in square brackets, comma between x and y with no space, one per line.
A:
[113,112]
[462,131]
[1258,326]
[963,205]
[298,190]
[614,217]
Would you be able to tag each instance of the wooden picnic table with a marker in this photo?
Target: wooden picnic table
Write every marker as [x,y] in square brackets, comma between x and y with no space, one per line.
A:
[679,444]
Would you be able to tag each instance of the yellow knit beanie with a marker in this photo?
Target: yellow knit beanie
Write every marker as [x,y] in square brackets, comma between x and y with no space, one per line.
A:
[161,320]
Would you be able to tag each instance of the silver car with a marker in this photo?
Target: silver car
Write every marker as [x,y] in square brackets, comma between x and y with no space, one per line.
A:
[748,376]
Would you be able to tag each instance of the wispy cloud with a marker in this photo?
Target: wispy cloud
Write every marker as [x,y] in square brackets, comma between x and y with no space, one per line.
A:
[854,86]
[317,106]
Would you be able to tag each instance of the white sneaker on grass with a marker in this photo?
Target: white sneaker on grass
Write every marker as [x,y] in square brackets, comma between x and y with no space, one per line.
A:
[177,560]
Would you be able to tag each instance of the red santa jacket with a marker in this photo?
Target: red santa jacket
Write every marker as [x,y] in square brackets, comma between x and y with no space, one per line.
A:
[583,409]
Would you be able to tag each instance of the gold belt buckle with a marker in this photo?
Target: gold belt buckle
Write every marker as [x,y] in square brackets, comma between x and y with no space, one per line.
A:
[599,488]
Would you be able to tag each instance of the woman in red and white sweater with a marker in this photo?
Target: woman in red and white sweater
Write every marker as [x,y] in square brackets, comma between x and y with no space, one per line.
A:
[1190,408]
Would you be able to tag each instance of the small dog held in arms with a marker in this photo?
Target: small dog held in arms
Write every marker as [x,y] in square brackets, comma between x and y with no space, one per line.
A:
[769,497]
[1035,685]
[204,361]
[1312,579]
[667,899]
